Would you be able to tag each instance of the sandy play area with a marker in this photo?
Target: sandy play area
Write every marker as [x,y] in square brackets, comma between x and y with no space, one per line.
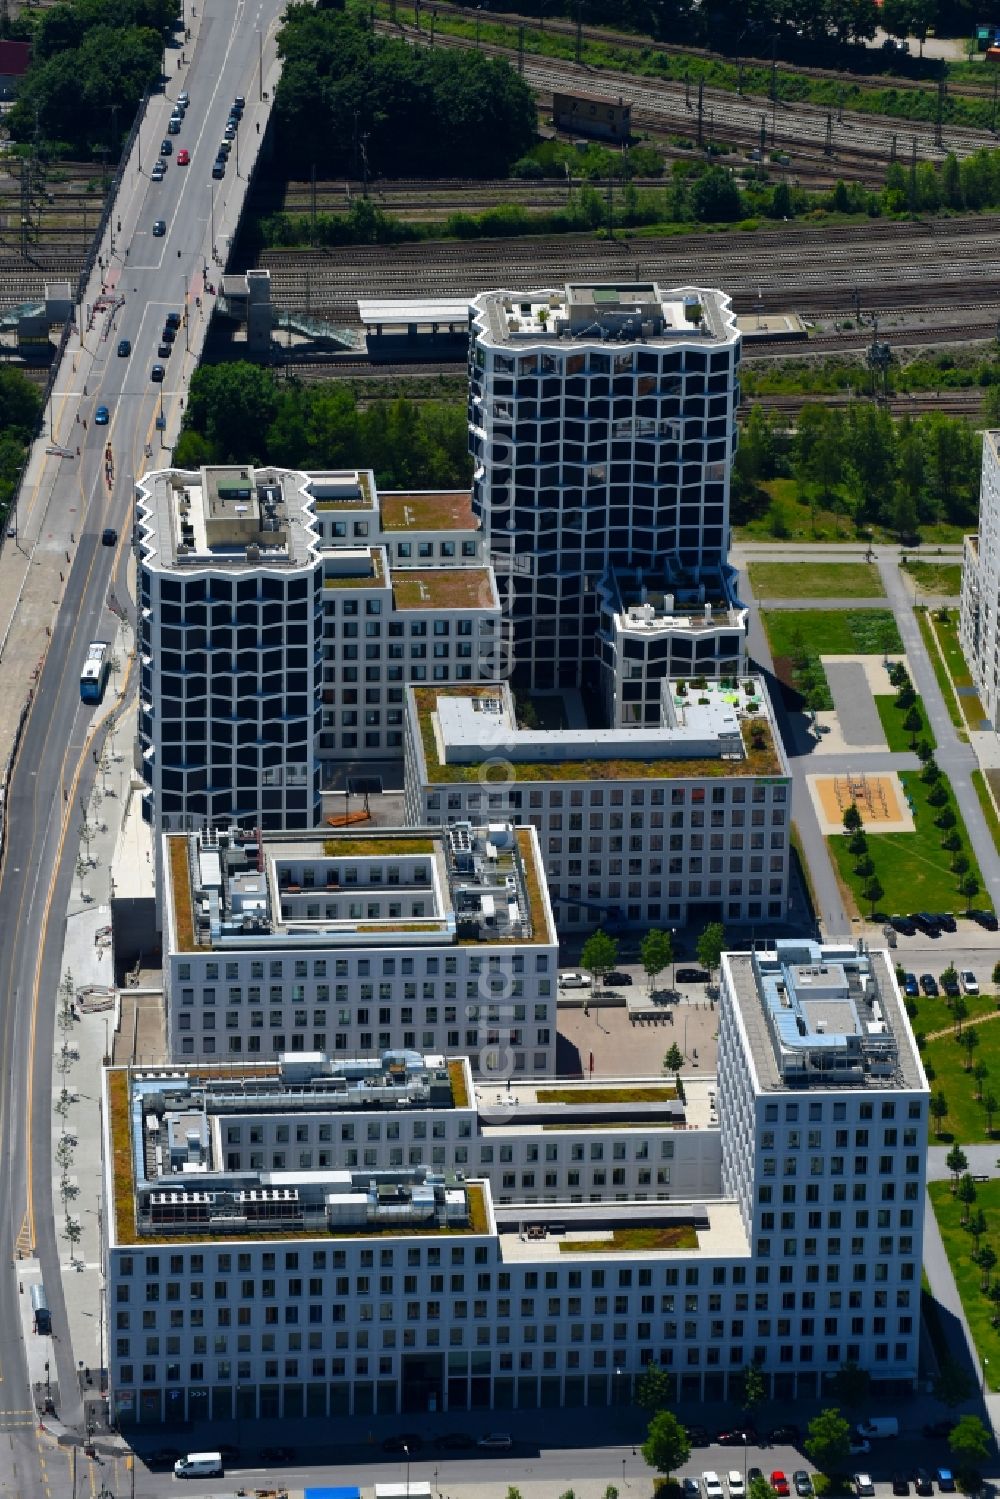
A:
[878,795]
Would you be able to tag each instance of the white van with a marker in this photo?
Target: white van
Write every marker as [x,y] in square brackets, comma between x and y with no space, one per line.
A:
[575,980]
[878,1428]
[199,1465]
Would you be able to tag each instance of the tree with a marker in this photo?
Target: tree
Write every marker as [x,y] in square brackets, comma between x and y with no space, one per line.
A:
[656,953]
[990,1105]
[873,892]
[666,1446]
[924,750]
[966,1195]
[952,843]
[865,867]
[829,1441]
[653,1388]
[937,796]
[968,886]
[858,845]
[959,1011]
[710,944]
[957,1161]
[673,1061]
[969,1442]
[970,1041]
[754,1388]
[939,1111]
[980,1073]
[760,1489]
[987,1260]
[852,819]
[977,1226]
[913,723]
[599,955]
[851,1385]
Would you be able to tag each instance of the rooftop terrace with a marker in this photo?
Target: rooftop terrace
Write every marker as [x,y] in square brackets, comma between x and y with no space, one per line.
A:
[224,516]
[715,730]
[822,1017]
[605,313]
[444,588]
[434,887]
[447,510]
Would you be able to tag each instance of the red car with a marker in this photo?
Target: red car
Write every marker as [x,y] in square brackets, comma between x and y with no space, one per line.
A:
[779,1483]
[183,157]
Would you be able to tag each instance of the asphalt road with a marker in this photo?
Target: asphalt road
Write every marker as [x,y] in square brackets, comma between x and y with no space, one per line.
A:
[55,765]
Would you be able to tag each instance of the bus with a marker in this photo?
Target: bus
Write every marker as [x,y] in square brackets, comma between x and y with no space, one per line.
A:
[94,677]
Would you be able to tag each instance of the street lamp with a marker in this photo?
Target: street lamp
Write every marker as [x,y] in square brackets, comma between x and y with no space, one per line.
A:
[406,1449]
[986,1376]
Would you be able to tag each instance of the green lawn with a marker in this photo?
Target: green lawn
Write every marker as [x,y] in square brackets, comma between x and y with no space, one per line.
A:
[959,1245]
[966,1121]
[832,632]
[896,737]
[930,1015]
[986,802]
[810,580]
[936,577]
[947,634]
[912,868]
[940,671]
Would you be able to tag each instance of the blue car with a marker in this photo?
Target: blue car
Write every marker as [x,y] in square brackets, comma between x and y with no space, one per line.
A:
[101,416]
[946,1480]
[910,986]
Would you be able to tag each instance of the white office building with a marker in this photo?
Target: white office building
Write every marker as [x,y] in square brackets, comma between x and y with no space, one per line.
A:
[350,943]
[390,1234]
[980,605]
[684,821]
[602,423]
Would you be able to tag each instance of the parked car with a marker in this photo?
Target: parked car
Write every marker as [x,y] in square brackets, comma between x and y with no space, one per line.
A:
[573,979]
[454,1441]
[711,1485]
[102,416]
[169,333]
[617,979]
[172,320]
[969,982]
[938,1430]
[863,1484]
[788,1433]
[163,1457]
[900,1483]
[742,1436]
[949,983]
[692,976]
[945,1480]
[859,1446]
[735,1484]
[802,1484]
[779,1483]
[691,1487]
[164,351]
[218,168]
[929,985]
[986,919]
[403,1441]
[239,103]
[905,925]
[923,1483]
[224,148]
[699,1436]
[753,1473]
[910,986]
[946,921]
[277,1454]
[927,924]
[184,98]
[229,131]
[173,127]
[496,1441]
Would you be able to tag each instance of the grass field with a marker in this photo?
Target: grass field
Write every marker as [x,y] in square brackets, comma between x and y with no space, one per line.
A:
[788,517]
[912,868]
[832,632]
[936,577]
[941,672]
[947,634]
[959,1244]
[896,737]
[930,1015]
[986,803]
[966,1119]
[809,580]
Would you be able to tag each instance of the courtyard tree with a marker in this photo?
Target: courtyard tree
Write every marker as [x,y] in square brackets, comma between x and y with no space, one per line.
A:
[952,842]
[957,1161]
[969,1442]
[666,1447]
[852,819]
[828,1442]
[966,1195]
[656,952]
[653,1388]
[865,867]
[710,944]
[931,772]
[913,723]
[959,1011]
[980,1072]
[599,955]
[977,1226]
[970,1041]
[939,1113]
[968,886]
[858,845]
[851,1384]
[873,891]
[754,1389]
[990,1105]
[673,1061]
[924,750]
[987,1259]
[946,819]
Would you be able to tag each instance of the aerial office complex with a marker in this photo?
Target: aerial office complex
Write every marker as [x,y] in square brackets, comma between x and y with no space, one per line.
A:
[389,1233]
[602,424]
[354,943]
[980,605]
[686,821]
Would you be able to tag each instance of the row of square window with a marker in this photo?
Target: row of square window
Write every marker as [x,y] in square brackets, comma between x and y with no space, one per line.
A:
[540,1060]
[431,965]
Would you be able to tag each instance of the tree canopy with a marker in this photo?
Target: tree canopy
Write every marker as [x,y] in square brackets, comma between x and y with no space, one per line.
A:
[241,413]
[666,1446]
[355,102]
[829,1441]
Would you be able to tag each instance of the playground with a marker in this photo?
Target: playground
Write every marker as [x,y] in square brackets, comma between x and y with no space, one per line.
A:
[878,795]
